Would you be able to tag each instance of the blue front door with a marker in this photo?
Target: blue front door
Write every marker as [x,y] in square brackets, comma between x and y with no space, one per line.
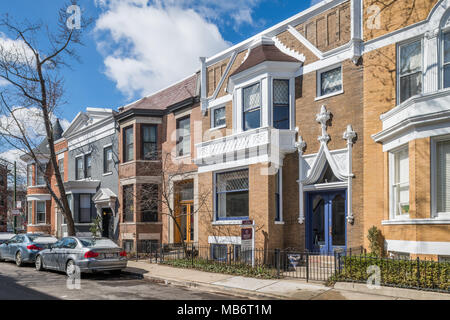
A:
[326,223]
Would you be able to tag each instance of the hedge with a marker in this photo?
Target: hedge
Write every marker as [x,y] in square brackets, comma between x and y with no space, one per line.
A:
[397,272]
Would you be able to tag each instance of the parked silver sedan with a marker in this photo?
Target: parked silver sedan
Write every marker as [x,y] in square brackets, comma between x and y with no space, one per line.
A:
[22,248]
[88,254]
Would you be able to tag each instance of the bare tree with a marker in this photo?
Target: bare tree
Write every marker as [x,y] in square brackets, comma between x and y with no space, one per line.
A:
[31,70]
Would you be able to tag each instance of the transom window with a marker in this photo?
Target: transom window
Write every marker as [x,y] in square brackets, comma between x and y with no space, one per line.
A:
[218,117]
[183,136]
[232,194]
[410,70]
[443,176]
[330,81]
[252,107]
[400,182]
[281,104]
[149,142]
[446,59]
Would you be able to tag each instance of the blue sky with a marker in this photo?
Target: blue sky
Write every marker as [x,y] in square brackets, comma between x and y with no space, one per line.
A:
[91,84]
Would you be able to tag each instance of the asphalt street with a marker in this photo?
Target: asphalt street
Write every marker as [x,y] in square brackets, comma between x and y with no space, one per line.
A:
[26,283]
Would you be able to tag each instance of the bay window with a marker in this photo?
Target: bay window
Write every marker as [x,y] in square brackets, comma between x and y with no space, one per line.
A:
[409,70]
[128,204]
[40,181]
[88,166]
[85,208]
[281,104]
[183,136]
[29,175]
[232,195]
[252,107]
[128,144]
[30,212]
[443,176]
[399,172]
[40,212]
[149,143]
[61,168]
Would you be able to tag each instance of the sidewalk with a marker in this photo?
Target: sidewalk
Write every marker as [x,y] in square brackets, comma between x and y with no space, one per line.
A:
[294,289]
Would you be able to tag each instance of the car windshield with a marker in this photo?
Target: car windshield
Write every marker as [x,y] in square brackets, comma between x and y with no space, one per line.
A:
[97,243]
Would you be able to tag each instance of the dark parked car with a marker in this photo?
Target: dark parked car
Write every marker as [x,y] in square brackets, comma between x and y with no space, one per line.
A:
[22,248]
[88,254]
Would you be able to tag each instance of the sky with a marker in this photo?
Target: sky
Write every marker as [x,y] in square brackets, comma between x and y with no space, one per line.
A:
[136,47]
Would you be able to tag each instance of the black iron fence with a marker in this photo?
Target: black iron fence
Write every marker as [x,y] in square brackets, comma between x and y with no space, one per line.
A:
[353,265]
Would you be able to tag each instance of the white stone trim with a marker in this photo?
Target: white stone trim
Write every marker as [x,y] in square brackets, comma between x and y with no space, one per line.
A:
[428,221]
[224,239]
[39,197]
[419,247]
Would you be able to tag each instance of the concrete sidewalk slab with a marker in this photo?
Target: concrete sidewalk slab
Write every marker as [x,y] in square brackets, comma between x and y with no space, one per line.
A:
[252,288]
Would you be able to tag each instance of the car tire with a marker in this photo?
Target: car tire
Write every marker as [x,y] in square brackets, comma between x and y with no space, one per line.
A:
[19,261]
[39,264]
[70,268]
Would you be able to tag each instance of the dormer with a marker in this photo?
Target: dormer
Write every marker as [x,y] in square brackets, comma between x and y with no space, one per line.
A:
[263,88]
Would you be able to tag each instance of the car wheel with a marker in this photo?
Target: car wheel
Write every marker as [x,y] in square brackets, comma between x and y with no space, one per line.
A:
[71,269]
[19,261]
[38,263]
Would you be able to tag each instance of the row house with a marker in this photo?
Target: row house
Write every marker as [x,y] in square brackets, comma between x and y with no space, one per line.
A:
[157,179]
[87,158]
[284,113]
[327,124]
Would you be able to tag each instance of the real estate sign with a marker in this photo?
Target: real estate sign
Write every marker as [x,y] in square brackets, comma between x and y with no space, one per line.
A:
[248,241]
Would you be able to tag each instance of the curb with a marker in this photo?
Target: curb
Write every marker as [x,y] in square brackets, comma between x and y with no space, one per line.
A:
[401,293]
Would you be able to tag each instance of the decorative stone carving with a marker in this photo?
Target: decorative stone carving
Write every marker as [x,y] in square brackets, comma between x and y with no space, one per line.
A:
[323,117]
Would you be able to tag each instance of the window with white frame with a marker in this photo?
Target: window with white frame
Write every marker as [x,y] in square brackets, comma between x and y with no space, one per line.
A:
[79,166]
[443,176]
[232,194]
[30,212]
[108,162]
[446,59]
[183,136]
[399,172]
[88,166]
[40,212]
[252,107]
[40,181]
[329,81]
[409,70]
[218,117]
[281,104]
[29,175]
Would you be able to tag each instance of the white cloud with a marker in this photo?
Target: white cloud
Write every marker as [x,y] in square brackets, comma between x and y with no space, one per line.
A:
[149,45]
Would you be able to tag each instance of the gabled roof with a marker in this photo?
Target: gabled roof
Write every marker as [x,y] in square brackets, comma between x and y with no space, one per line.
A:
[86,119]
[261,53]
[163,99]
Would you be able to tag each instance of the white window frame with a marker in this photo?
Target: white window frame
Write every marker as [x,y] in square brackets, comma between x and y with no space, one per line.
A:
[433,165]
[36,213]
[319,95]
[442,56]
[397,71]
[212,117]
[261,108]
[103,155]
[76,168]
[36,166]
[291,100]
[392,204]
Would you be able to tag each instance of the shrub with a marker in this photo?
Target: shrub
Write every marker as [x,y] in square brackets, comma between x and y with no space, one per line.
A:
[399,273]
[221,267]
[374,237]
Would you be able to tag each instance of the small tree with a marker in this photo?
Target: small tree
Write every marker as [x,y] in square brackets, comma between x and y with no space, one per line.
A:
[374,237]
[96,227]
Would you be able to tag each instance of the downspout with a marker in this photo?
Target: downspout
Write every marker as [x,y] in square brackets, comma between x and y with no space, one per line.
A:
[203,93]
[300,145]
[349,135]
